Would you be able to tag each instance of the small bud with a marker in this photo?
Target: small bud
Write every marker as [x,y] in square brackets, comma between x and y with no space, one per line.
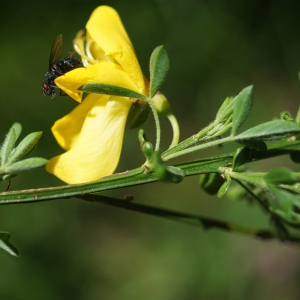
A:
[285,115]
[161,104]
[147,149]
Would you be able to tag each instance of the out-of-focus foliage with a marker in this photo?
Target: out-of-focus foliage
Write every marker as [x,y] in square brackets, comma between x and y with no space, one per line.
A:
[79,250]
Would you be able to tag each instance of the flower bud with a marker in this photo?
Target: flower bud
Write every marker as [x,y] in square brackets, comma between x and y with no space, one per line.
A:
[161,104]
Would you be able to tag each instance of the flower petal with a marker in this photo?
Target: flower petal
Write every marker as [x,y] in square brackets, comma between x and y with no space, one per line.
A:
[104,72]
[97,150]
[106,29]
[67,129]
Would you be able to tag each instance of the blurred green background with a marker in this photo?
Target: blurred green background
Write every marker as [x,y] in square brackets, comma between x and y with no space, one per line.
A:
[72,249]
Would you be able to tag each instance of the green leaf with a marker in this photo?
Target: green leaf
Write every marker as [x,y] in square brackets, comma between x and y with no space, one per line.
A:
[242,106]
[295,188]
[174,174]
[281,175]
[25,164]
[5,245]
[164,172]
[241,156]
[17,127]
[284,145]
[253,144]
[269,131]
[7,177]
[284,204]
[284,200]
[159,66]
[223,189]
[211,182]
[206,165]
[8,145]
[226,105]
[108,89]
[297,119]
[138,114]
[25,146]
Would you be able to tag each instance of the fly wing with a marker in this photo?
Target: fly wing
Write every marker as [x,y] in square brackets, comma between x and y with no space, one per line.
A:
[56,51]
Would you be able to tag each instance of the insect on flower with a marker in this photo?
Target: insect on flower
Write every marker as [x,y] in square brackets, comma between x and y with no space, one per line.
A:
[58,67]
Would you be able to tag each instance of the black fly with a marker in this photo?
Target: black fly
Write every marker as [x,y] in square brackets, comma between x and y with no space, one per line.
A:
[57,67]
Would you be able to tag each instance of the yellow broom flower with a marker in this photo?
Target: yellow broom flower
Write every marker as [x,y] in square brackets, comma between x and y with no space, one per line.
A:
[92,134]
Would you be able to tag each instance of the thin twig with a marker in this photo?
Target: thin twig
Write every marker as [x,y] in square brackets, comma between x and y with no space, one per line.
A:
[204,222]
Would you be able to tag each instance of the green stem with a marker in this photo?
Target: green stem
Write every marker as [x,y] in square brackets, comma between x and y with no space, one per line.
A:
[188,142]
[200,221]
[261,202]
[196,148]
[157,124]
[255,178]
[136,177]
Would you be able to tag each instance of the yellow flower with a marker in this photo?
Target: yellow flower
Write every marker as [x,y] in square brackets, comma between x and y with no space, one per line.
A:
[92,133]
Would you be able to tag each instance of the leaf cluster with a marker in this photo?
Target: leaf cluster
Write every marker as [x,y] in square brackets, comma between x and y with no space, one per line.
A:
[12,159]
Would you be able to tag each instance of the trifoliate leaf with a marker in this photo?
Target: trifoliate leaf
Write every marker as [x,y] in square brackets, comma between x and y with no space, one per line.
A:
[108,89]
[159,66]
[270,131]
[242,106]
[25,164]
[25,146]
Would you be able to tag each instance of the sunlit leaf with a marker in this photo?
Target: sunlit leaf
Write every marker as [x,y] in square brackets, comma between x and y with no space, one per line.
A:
[25,146]
[8,145]
[159,66]
[26,164]
[108,89]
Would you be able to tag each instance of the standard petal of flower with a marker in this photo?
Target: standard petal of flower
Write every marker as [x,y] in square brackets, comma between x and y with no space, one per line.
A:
[97,150]
[106,29]
[67,129]
[105,72]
